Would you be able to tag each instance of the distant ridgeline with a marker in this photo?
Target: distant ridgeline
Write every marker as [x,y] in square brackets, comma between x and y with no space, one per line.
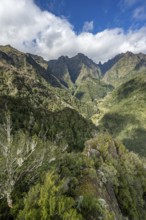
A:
[58,120]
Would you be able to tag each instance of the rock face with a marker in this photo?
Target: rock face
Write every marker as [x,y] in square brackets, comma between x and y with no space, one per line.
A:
[73,70]
[123,68]
[25,63]
[81,76]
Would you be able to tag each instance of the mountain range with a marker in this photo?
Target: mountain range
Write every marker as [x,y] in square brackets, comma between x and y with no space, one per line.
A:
[63,124]
[115,89]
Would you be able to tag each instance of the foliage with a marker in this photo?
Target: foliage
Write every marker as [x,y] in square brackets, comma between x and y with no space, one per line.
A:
[46,201]
[124,171]
[123,114]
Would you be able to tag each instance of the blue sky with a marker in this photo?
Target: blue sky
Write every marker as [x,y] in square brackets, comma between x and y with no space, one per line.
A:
[100,29]
[128,14]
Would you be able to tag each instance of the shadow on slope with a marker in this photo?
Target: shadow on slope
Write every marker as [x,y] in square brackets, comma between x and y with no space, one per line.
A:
[137,141]
[66,126]
[115,122]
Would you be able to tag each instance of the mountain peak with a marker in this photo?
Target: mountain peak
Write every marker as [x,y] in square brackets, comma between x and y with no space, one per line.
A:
[124,67]
[81,55]
[128,53]
[6,46]
[71,70]
[9,49]
[63,58]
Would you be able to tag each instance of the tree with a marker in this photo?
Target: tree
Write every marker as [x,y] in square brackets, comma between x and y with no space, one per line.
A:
[48,202]
[18,156]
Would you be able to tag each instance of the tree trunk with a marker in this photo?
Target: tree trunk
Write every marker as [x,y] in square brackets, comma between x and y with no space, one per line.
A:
[9,200]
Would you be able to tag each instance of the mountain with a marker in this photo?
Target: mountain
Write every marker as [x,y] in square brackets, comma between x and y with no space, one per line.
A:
[82,77]
[74,70]
[25,63]
[38,59]
[108,65]
[123,67]
[122,113]
[30,92]
[23,77]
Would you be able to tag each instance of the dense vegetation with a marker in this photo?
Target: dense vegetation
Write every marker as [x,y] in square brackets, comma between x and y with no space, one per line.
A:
[55,163]
[104,181]
[124,114]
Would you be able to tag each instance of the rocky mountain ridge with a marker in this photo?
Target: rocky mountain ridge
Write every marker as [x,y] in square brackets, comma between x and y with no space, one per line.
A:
[74,69]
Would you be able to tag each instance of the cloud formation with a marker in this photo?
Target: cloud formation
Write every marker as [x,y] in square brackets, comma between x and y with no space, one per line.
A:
[140,13]
[27,28]
[88,26]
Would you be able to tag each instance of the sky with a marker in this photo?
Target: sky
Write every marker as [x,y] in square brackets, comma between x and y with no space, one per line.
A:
[100,29]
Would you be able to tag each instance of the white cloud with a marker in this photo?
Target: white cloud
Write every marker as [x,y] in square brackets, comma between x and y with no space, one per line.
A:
[88,26]
[27,28]
[140,13]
